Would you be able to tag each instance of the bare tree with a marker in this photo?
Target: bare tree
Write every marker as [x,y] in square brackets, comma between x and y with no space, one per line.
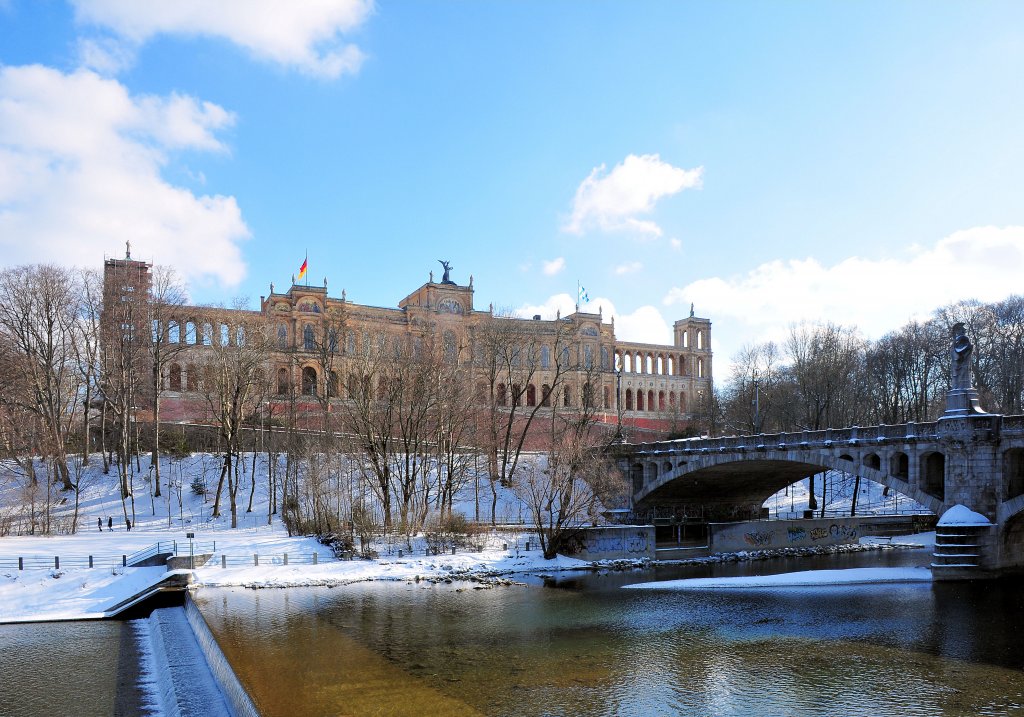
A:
[166,299]
[38,311]
[511,357]
[232,372]
[565,487]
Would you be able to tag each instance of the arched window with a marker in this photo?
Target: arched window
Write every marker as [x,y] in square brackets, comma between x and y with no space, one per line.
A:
[648,364]
[350,343]
[332,341]
[671,366]
[545,357]
[191,377]
[700,340]
[650,401]
[588,356]
[659,366]
[682,402]
[190,333]
[174,332]
[282,381]
[607,398]
[565,357]
[567,397]
[500,397]
[240,336]
[353,386]
[638,363]
[225,335]
[332,384]
[605,360]
[449,346]
[587,395]
[686,339]
[639,400]
[207,334]
[308,339]
[282,336]
[175,377]
[672,399]
[309,381]
[517,395]
[661,400]
[545,395]
[531,395]
[700,368]
[629,399]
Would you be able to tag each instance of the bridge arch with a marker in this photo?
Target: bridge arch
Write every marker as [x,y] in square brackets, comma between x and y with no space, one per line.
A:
[749,478]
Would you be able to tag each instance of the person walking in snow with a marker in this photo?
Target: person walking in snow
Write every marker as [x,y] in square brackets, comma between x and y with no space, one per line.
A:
[110,523]
[127,524]
[99,524]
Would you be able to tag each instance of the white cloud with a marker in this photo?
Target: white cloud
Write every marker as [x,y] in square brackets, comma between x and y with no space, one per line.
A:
[80,162]
[614,201]
[876,295]
[628,268]
[675,244]
[554,266]
[105,55]
[305,35]
[645,325]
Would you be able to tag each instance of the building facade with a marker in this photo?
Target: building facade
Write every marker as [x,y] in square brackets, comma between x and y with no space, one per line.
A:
[648,389]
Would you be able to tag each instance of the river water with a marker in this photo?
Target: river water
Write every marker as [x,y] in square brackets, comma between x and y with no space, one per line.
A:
[581,645]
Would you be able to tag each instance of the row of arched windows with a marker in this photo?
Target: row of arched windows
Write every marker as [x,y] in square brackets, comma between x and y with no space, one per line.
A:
[657,364]
[657,402]
[195,333]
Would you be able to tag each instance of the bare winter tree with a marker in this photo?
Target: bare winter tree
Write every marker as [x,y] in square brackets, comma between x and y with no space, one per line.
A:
[511,357]
[38,310]
[166,299]
[233,369]
[566,486]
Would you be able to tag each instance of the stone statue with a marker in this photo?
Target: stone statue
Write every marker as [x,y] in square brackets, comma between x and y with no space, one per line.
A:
[446,279]
[691,308]
[127,250]
[961,353]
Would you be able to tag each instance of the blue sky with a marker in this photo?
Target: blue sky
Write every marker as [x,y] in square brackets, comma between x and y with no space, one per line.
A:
[769,162]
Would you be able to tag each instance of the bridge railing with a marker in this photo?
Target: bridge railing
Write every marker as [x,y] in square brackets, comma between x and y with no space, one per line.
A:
[803,439]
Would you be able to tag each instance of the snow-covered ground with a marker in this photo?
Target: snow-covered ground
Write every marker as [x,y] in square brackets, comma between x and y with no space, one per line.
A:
[76,591]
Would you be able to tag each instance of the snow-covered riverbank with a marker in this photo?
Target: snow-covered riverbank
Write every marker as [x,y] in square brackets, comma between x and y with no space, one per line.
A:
[83,593]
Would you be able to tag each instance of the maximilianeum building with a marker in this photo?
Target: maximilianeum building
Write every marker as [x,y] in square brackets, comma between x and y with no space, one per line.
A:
[649,389]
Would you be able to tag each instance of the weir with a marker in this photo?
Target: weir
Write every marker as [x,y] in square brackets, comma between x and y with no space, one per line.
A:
[967,458]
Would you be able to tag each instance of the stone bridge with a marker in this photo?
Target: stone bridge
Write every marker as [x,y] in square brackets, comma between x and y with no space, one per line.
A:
[968,457]
[973,460]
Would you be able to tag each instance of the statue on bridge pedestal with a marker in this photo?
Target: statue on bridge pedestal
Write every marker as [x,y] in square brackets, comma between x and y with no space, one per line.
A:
[961,375]
[962,398]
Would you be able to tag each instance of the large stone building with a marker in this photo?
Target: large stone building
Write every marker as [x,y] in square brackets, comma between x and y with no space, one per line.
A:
[649,389]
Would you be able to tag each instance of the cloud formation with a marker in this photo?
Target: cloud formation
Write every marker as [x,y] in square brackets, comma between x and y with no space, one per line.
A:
[554,266]
[80,174]
[305,35]
[629,267]
[615,200]
[645,325]
[876,295]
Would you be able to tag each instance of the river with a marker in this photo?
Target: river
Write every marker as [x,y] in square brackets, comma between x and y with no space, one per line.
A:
[576,644]
[580,645]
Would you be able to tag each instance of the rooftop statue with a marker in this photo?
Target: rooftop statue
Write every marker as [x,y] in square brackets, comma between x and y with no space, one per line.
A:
[446,279]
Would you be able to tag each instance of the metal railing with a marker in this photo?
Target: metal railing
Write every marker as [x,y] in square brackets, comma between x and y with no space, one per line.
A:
[57,562]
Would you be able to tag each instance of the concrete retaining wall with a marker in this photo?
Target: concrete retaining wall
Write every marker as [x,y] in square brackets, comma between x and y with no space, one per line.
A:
[771,535]
[617,542]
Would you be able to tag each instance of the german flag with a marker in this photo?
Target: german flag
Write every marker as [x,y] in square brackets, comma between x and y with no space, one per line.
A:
[302,269]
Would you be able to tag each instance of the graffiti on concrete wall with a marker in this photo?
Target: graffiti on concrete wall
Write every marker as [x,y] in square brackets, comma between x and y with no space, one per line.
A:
[743,536]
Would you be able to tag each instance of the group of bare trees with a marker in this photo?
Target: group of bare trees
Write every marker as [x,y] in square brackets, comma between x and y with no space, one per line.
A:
[399,428]
[826,375]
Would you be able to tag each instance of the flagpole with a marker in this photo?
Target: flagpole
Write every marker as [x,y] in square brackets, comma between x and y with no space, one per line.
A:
[577,296]
[306,262]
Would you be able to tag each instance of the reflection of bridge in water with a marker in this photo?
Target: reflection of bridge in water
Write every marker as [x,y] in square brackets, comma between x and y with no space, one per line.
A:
[967,457]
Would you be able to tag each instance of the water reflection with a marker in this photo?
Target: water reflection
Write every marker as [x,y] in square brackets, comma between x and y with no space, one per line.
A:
[590,648]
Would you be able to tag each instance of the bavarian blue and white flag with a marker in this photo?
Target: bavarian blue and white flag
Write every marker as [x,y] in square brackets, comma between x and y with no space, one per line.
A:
[584,297]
